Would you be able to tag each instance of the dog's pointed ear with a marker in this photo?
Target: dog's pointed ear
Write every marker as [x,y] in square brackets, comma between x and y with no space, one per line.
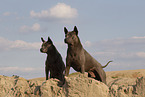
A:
[42,39]
[49,40]
[76,30]
[65,30]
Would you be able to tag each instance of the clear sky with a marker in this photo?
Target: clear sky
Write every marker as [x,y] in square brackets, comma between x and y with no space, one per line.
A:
[108,29]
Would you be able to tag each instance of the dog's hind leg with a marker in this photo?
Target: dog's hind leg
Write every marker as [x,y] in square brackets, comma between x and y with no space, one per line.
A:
[93,74]
[96,74]
[100,75]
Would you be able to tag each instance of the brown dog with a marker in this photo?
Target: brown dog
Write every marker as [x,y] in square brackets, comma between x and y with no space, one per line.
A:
[80,59]
[54,62]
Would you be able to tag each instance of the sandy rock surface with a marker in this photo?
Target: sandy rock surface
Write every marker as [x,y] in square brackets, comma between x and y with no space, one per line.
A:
[76,86]
[129,83]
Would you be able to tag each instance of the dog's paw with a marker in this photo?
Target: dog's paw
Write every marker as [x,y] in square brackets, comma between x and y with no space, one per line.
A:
[55,79]
[65,77]
[61,84]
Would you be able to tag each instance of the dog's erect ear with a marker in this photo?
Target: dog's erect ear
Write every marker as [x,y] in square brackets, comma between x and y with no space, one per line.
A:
[49,40]
[42,39]
[76,30]
[65,30]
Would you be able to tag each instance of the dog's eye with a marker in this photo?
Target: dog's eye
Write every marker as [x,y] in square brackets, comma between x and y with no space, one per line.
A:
[45,45]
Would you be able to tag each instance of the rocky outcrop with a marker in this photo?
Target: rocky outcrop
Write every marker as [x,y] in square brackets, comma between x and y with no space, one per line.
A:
[125,87]
[119,84]
[16,86]
[78,86]
[130,83]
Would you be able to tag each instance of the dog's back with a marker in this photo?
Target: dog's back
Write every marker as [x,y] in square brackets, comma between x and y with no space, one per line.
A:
[93,65]
[90,61]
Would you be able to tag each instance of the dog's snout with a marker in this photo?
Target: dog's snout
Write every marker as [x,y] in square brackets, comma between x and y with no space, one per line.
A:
[41,50]
[65,40]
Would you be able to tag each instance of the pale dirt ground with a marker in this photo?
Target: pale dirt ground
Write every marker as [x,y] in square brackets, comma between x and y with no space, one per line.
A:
[116,74]
[126,73]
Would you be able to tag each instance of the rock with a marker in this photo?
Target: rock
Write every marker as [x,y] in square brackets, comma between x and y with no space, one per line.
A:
[77,86]
[119,84]
[127,88]
[140,87]
[129,83]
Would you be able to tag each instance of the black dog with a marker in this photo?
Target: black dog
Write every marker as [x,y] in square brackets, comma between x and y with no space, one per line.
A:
[54,62]
[80,59]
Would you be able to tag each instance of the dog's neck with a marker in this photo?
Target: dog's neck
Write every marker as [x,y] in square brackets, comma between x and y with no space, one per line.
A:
[52,52]
[75,47]
[52,55]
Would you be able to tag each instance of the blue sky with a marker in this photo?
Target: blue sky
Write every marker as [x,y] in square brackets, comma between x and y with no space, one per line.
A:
[109,30]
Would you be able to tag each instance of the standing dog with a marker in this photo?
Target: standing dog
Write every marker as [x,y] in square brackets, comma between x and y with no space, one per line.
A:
[54,62]
[80,59]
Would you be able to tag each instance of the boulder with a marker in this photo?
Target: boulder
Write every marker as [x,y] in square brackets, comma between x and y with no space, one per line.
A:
[75,86]
[129,83]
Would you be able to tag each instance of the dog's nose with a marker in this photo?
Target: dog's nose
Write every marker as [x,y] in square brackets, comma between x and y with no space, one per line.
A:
[65,40]
[41,50]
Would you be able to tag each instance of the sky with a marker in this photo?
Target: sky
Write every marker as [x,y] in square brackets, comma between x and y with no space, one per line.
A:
[108,29]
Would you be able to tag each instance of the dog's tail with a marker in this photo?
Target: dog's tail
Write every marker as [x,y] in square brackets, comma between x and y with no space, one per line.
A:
[106,64]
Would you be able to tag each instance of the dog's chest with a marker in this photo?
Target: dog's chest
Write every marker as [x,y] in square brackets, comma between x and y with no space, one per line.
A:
[74,56]
[75,61]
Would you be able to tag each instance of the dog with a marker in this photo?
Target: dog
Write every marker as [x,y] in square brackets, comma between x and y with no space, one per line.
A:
[54,63]
[79,59]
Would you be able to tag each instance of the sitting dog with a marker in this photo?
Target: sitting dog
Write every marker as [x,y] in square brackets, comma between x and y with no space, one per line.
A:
[54,62]
[79,59]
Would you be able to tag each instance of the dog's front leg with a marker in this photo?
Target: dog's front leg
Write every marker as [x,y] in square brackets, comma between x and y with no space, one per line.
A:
[67,67]
[46,71]
[82,63]
[67,70]
[83,69]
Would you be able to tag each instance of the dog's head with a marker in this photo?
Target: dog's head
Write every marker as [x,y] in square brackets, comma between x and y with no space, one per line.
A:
[71,37]
[46,45]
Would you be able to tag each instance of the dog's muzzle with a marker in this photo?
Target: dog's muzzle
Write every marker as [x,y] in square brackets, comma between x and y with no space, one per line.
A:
[41,50]
[65,40]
